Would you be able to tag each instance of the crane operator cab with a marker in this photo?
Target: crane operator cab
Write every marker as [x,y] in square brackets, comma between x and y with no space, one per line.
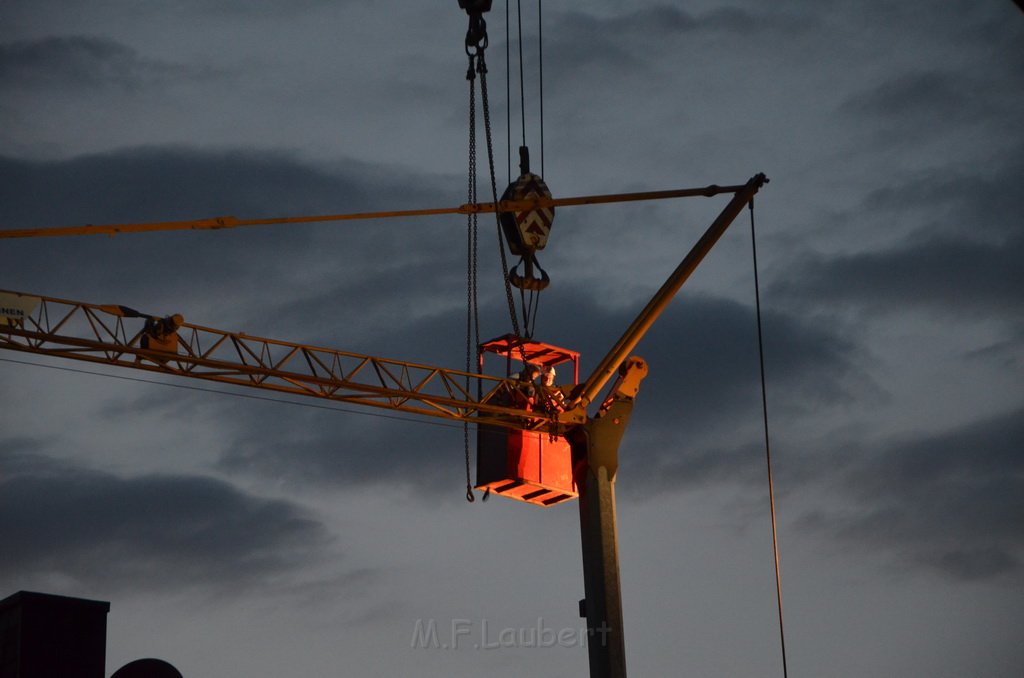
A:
[531,466]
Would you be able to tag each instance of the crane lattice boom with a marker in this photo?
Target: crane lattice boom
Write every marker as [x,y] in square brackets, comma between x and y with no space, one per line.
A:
[117,335]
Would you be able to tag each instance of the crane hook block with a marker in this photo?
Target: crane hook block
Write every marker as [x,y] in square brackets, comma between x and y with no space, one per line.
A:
[527,230]
[475,6]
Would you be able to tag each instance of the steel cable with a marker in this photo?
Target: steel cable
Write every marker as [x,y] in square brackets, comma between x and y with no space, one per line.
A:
[767,445]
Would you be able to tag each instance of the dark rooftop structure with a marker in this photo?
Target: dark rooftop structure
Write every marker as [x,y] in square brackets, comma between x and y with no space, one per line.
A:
[45,636]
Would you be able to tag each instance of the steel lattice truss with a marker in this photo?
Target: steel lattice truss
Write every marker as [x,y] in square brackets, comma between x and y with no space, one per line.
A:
[114,335]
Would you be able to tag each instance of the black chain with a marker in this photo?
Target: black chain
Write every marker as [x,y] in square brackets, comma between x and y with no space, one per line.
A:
[472,315]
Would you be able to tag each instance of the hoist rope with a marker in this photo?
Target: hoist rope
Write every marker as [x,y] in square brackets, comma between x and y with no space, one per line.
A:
[508,94]
[530,301]
[529,297]
[540,75]
[767,445]
[522,89]
[482,70]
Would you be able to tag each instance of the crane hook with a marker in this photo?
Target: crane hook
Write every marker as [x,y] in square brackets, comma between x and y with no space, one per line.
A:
[527,230]
[476,34]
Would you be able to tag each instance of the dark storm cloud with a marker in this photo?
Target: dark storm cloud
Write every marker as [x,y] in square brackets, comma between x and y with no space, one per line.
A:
[612,40]
[977,202]
[934,105]
[935,94]
[704,380]
[157,530]
[356,446]
[666,21]
[167,183]
[950,275]
[952,502]
[255,9]
[965,260]
[81,61]
[702,353]
[697,419]
[160,184]
[363,445]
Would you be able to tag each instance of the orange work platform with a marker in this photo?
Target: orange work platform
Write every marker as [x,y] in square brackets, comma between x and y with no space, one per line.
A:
[525,465]
[531,466]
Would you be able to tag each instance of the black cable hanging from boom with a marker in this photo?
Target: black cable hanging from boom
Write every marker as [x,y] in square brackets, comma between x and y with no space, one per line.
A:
[540,77]
[767,446]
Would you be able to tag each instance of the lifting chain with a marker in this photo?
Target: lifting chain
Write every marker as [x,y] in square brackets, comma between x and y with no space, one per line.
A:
[472,309]
[476,45]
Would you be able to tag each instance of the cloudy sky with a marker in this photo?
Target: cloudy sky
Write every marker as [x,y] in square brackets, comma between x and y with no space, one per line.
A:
[240,536]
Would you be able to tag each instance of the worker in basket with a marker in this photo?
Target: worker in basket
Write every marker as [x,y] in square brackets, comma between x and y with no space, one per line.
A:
[525,392]
[161,334]
[551,397]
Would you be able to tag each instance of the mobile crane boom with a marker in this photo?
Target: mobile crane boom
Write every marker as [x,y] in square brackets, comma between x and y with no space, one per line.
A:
[117,335]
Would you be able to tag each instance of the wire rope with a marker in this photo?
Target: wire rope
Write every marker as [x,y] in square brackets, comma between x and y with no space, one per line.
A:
[482,70]
[767,445]
[540,73]
[248,396]
[508,94]
[522,89]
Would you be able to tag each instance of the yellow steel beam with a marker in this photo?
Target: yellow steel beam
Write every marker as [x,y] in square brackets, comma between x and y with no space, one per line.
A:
[114,335]
[216,223]
[635,332]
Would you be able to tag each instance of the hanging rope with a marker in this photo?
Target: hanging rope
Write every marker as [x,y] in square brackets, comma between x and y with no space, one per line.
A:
[472,308]
[529,299]
[540,75]
[529,286]
[522,89]
[508,95]
[767,446]
[482,70]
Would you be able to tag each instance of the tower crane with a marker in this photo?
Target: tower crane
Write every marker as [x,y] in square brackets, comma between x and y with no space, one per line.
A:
[124,337]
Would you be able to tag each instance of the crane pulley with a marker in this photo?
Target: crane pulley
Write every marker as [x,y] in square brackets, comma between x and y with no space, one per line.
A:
[527,230]
[476,35]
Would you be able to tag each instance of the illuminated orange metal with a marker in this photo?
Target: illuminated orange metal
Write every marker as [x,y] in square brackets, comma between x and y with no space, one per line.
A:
[526,465]
[531,466]
[115,335]
[514,348]
[216,223]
